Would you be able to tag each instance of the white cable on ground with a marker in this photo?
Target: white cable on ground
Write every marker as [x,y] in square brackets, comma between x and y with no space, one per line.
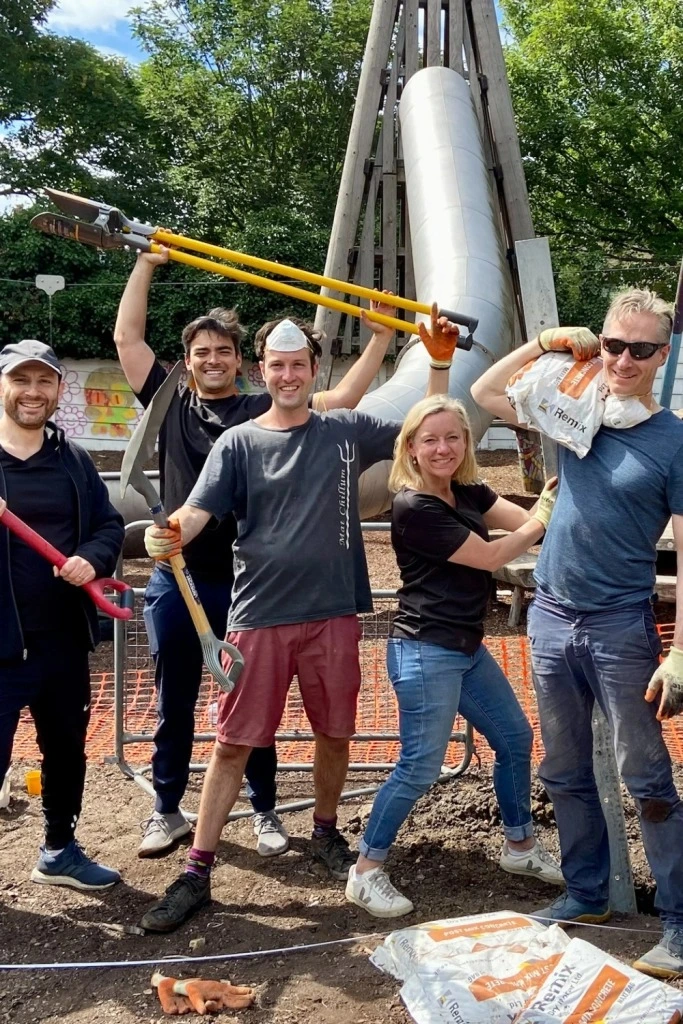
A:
[281,951]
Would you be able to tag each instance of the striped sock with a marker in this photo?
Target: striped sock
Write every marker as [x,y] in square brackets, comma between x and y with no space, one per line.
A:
[199,862]
[324,826]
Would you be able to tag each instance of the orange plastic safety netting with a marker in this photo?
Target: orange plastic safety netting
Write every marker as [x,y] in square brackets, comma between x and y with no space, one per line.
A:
[376,707]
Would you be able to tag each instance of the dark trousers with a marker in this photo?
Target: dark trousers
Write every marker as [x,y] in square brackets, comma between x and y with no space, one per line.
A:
[54,683]
[178,658]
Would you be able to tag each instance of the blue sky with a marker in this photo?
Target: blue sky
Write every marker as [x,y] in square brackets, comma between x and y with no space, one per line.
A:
[101,22]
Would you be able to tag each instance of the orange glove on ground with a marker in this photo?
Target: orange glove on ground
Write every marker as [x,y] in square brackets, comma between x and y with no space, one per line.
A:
[214,996]
[171,1003]
[440,342]
[163,542]
[581,342]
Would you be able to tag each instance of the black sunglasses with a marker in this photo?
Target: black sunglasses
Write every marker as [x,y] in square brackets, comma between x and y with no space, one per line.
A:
[636,349]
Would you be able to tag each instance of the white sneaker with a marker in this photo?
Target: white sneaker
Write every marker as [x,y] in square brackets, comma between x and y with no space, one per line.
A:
[161,831]
[272,835]
[536,863]
[374,892]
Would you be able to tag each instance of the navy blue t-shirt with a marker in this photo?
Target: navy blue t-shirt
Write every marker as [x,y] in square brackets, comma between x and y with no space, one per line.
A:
[612,507]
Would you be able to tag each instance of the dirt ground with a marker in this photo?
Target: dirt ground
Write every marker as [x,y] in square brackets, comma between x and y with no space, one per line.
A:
[445,860]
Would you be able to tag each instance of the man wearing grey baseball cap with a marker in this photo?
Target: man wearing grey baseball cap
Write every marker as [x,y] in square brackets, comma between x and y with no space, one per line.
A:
[28,351]
[48,623]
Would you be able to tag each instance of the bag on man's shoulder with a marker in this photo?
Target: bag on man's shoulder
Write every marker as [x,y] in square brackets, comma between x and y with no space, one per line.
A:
[569,400]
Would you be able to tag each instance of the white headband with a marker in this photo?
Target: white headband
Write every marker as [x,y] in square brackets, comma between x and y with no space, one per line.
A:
[287,337]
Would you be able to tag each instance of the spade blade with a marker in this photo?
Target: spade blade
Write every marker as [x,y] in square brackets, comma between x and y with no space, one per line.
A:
[141,445]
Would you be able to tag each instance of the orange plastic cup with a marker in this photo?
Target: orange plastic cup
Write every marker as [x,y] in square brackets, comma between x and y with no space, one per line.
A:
[33,784]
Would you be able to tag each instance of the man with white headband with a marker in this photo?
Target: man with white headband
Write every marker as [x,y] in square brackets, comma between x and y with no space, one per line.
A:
[198,415]
[290,478]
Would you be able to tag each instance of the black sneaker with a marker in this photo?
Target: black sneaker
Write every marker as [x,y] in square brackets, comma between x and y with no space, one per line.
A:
[333,851]
[183,898]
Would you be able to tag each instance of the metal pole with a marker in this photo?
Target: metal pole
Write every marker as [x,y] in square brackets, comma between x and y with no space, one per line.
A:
[672,362]
[622,896]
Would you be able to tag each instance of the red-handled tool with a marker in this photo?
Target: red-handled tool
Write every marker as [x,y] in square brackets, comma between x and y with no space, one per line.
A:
[95,589]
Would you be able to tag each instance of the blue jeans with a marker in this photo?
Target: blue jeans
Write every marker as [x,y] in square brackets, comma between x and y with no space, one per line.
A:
[178,662]
[607,656]
[434,684]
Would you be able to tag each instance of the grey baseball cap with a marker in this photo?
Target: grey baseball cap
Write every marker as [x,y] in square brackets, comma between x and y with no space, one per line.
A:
[28,351]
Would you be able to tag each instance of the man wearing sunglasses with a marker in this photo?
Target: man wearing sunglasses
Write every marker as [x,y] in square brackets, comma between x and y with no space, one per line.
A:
[591,623]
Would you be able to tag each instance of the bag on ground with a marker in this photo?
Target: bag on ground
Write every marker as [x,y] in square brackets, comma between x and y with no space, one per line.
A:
[591,987]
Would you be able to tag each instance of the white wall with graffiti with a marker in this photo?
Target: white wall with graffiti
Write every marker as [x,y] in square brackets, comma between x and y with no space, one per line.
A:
[100,411]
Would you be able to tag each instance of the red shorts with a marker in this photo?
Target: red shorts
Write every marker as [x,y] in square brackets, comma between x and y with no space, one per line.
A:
[324,656]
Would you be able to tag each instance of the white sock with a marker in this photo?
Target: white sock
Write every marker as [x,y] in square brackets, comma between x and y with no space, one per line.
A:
[54,853]
[520,853]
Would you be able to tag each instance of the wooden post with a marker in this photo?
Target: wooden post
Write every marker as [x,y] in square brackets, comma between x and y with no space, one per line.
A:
[491,62]
[455,35]
[535,272]
[359,149]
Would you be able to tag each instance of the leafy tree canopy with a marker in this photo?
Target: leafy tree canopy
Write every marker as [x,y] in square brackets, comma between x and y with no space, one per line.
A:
[69,116]
[597,88]
[254,99]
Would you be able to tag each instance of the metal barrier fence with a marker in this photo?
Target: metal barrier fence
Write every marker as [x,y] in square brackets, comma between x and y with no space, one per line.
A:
[373,747]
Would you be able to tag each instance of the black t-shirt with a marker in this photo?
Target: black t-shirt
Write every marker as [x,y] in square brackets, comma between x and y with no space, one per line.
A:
[189,431]
[41,492]
[439,601]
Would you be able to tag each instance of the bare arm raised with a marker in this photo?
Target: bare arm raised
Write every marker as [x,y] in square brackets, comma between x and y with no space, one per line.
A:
[135,355]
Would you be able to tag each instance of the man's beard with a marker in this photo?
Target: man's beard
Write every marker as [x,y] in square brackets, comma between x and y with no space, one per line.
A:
[27,422]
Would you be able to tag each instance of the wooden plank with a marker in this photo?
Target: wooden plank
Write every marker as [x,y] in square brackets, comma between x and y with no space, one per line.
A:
[666,541]
[347,336]
[389,200]
[433,27]
[492,64]
[358,150]
[537,289]
[475,89]
[365,267]
[455,35]
[411,49]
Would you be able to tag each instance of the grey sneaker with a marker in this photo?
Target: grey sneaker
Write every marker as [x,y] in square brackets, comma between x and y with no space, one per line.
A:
[182,899]
[536,863]
[272,834]
[333,851]
[665,960]
[161,831]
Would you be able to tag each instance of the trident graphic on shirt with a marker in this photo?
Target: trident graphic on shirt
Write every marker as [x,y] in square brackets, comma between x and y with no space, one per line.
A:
[344,490]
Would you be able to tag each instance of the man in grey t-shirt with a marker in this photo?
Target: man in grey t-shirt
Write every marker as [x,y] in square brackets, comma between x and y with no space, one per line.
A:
[290,477]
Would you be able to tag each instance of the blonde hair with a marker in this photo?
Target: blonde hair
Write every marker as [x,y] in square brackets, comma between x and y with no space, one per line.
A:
[404,472]
[632,301]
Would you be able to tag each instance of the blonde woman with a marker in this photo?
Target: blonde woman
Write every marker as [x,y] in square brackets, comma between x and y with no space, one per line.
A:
[436,661]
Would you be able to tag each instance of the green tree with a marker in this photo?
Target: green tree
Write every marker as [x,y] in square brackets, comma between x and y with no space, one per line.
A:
[597,88]
[254,99]
[84,313]
[69,116]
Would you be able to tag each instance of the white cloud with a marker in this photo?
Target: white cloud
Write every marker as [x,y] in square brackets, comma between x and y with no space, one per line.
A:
[88,15]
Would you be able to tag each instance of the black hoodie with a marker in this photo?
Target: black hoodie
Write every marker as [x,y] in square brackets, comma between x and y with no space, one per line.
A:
[100,538]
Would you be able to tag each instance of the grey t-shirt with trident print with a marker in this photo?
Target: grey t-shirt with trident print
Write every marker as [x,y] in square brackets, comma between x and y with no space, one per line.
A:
[299,552]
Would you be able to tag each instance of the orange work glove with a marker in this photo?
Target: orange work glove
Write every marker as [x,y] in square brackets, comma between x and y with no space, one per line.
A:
[214,996]
[581,342]
[163,542]
[171,1002]
[440,342]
